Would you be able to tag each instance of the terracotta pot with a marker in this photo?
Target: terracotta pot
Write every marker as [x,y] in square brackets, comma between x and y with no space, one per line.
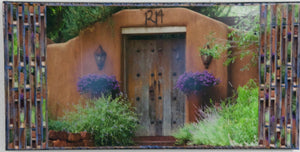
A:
[206,59]
[193,105]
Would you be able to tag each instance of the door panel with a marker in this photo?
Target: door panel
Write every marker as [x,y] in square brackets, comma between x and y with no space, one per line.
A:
[152,68]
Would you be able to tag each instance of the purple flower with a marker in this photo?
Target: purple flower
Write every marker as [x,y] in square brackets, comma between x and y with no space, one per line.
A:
[26,59]
[267,96]
[273,119]
[282,118]
[273,56]
[192,82]
[289,36]
[22,97]
[262,58]
[98,85]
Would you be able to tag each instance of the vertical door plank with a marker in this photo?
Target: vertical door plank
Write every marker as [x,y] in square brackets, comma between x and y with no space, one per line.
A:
[164,101]
[137,81]
[150,61]
[177,97]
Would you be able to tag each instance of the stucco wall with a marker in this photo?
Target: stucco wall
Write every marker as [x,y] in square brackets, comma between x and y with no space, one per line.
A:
[75,58]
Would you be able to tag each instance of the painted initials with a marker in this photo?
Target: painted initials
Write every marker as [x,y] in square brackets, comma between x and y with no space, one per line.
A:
[153,17]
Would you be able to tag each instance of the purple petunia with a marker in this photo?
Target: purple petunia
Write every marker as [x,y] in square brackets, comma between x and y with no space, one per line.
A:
[98,85]
[289,36]
[267,96]
[262,58]
[22,96]
[192,82]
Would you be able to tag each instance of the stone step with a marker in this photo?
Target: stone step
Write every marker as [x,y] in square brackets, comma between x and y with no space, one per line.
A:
[155,140]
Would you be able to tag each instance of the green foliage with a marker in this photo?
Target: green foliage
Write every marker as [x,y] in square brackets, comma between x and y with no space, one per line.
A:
[211,131]
[212,11]
[184,134]
[111,121]
[14,44]
[66,22]
[244,35]
[213,48]
[58,125]
[235,124]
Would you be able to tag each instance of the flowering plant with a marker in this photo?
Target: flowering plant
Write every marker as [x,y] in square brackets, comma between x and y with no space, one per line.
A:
[193,82]
[98,85]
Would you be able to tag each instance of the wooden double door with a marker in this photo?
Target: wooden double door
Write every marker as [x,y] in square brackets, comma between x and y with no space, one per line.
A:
[153,64]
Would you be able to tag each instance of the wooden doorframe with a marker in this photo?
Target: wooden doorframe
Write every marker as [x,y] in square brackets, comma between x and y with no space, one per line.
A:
[126,31]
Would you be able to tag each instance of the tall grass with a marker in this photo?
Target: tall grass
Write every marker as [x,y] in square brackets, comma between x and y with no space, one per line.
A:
[235,125]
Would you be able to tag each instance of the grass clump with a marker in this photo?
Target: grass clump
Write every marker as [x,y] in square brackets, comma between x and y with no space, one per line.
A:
[111,122]
[235,125]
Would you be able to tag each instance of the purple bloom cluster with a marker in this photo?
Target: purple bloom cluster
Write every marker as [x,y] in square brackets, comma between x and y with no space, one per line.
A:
[192,82]
[98,85]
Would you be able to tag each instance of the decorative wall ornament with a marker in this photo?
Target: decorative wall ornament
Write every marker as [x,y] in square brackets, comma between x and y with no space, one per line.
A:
[100,57]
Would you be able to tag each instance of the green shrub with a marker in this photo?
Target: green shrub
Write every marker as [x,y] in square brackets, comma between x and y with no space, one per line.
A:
[184,134]
[111,121]
[235,124]
[58,125]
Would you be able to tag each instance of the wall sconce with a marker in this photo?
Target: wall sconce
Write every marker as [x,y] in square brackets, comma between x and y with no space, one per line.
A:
[100,57]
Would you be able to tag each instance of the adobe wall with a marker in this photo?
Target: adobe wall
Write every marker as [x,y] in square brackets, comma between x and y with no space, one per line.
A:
[75,58]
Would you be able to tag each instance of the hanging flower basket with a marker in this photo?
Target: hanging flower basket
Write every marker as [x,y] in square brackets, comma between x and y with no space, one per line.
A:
[95,86]
[192,83]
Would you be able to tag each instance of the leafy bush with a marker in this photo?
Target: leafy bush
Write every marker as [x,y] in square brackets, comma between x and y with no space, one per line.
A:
[97,85]
[65,22]
[235,124]
[58,125]
[212,47]
[192,82]
[111,121]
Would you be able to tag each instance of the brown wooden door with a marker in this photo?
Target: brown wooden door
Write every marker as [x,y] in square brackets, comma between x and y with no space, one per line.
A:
[153,65]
